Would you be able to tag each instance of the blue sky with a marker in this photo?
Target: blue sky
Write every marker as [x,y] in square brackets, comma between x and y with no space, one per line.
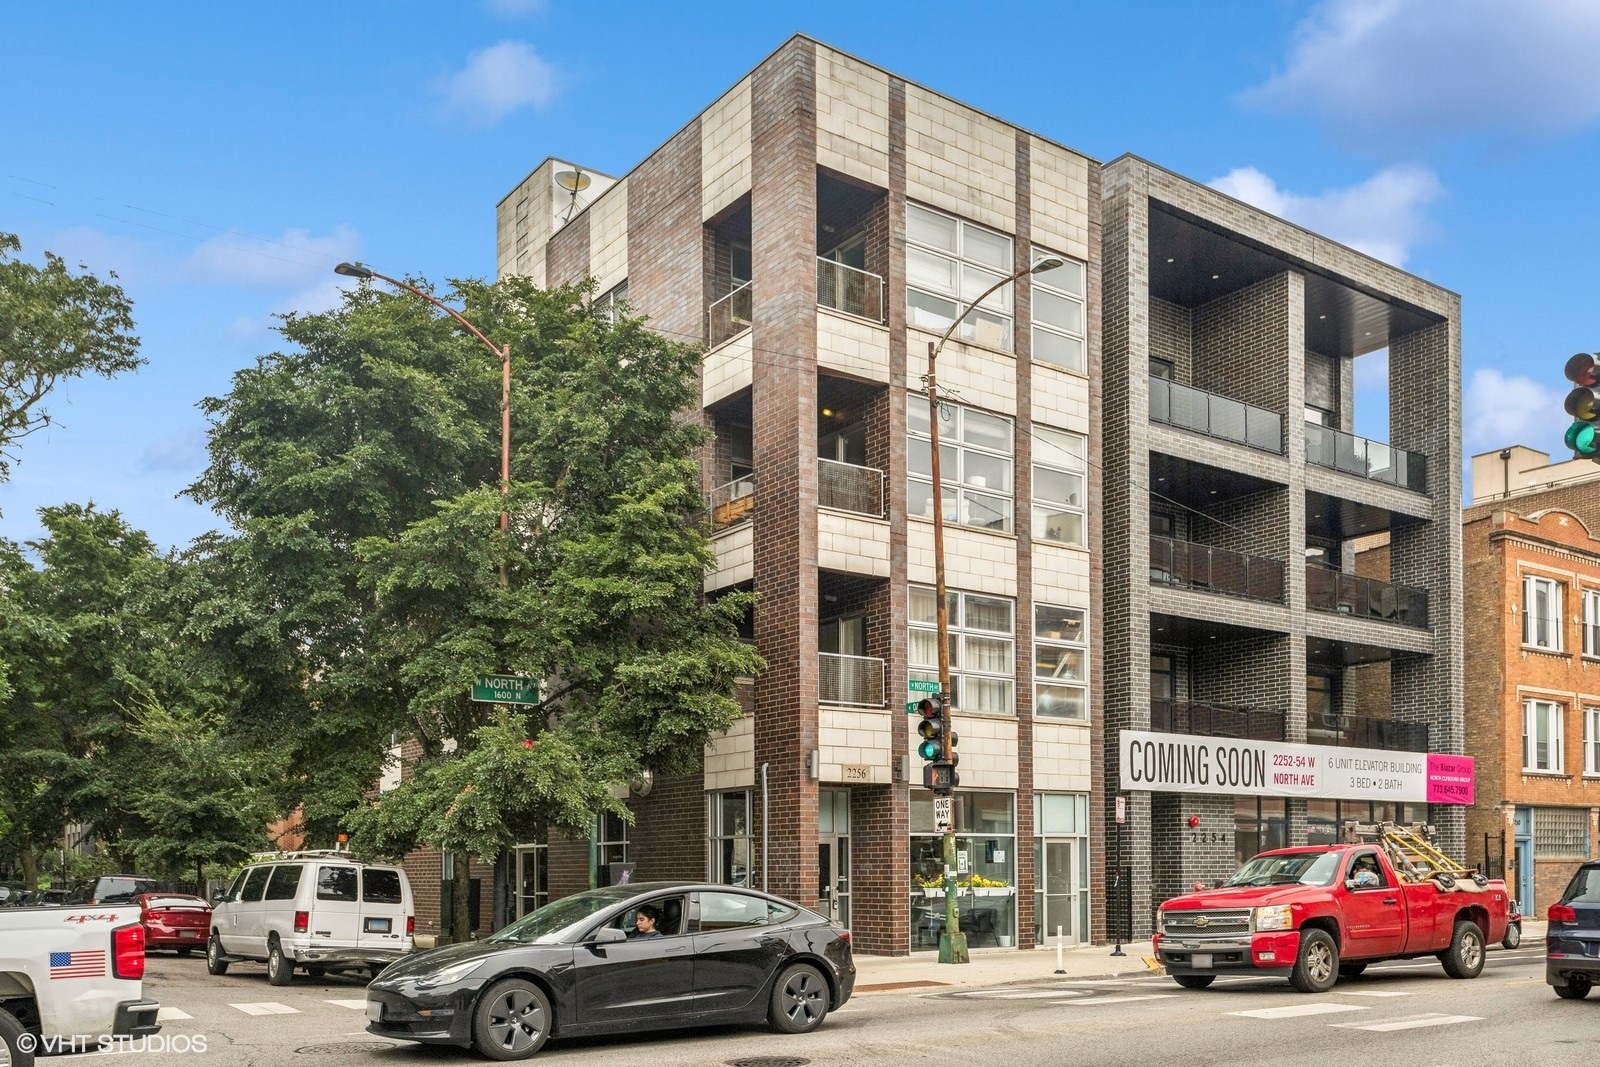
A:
[221,159]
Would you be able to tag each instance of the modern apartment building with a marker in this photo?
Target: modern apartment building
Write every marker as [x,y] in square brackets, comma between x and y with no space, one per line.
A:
[1145,530]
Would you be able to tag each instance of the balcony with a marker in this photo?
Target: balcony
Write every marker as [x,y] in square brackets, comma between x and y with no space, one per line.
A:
[1217,570]
[1360,731]
[851,681]
[729,317]
[1215,720]
[1373,460]
[1366,598]
[732,502]
[1215,416]
[848,487]
[850,290]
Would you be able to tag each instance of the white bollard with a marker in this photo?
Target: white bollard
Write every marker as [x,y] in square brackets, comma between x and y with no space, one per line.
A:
[1060,964]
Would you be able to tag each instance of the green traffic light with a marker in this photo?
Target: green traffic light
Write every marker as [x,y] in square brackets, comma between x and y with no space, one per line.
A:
[1584,441]
[930,749]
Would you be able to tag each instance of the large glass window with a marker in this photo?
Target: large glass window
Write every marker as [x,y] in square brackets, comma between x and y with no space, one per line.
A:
[975,461]
[986,863]
[1541,613]
[1541,735]
[982,648]
[1058,319]
[1060,663]
[1061,867]
[1058,493]
[1260,824]
[731,845]
[1591,622]
[950,262]
[611,851]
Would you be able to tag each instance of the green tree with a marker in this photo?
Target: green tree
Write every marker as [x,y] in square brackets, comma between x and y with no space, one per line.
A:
[54,326]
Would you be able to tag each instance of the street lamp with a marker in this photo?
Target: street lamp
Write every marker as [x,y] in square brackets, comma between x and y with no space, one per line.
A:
[952,942]
[365,273]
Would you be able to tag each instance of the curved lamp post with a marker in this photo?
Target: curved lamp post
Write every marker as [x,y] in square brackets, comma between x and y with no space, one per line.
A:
[952,942]
[503,352]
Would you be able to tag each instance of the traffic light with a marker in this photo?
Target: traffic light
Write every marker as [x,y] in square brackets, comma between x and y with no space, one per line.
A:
[939,773]
[1583,404]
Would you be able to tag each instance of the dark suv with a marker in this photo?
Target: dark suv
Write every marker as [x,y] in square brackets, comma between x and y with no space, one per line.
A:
[112,889]
[1572,941]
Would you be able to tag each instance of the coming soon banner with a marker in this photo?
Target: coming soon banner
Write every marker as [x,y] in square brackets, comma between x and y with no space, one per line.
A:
[1184,763]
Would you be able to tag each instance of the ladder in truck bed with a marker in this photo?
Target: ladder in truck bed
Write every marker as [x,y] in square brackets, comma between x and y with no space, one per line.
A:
[1409,847]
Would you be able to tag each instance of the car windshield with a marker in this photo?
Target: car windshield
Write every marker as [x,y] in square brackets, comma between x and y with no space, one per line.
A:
[560,914]
[1303,868]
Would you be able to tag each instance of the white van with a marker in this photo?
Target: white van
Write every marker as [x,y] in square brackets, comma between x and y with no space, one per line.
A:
[323,911]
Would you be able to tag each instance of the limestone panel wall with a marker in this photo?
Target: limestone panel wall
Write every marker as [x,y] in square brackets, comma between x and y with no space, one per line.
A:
[960,160]
[852,117]
[725,150]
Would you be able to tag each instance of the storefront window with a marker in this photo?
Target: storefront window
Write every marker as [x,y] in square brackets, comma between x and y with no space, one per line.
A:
[1260,824]
[986,864]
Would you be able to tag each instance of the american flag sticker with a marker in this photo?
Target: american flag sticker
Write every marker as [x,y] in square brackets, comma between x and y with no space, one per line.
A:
[86,964]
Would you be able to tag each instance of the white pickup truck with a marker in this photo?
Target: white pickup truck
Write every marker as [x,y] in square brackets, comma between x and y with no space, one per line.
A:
[71,978]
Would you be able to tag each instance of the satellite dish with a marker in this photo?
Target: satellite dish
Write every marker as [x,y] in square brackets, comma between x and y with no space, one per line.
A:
[573,181]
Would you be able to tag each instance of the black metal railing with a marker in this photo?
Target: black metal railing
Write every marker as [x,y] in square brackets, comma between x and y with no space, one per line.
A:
[1367,598]
[1361,731]
[1216,720]
[1216,570]
[1374,460]
[1215,416]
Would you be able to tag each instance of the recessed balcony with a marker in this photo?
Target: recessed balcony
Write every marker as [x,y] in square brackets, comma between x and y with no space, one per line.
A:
[1215,416]
[1364,458]
[1216,570]
[850,290]
[850,681]
[1216,720]
[1365,598]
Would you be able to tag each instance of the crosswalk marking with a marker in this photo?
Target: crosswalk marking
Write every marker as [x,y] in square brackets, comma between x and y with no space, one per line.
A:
[1412,1022]
[1294,1011]
[1371,993]
[986,994]
[171,1015]
[1117,1000]
[267,1007]
[358,1005]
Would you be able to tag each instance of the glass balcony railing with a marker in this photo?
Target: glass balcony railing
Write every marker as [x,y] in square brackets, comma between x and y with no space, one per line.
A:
[728,317]
[1212,720]
[1215,416]
[1360,731]
[854,681]
[850,290]
[732,502]
[849,487]
[1340,451]
[1216,570]
[1367,598]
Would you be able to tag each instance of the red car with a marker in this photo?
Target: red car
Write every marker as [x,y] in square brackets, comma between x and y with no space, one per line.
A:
[174,920]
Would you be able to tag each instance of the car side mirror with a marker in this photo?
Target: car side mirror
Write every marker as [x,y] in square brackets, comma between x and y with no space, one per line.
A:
[219,896]
[608,935]
[1350,883]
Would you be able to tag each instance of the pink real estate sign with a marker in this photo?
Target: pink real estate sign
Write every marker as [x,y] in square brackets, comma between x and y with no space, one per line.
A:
[1450,779]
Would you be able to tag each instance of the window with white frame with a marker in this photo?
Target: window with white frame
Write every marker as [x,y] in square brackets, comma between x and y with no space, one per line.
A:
[613,303]
[1058,486]
[1060,663]
[982,648]
[975,460]
[1591,741]
[1058,319]
[1591,622]
[1541,613]
[950,262]
[728,820]
[611,850]
[1541,735]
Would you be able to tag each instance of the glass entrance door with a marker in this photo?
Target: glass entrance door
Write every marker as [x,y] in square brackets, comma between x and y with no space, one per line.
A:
[833,855]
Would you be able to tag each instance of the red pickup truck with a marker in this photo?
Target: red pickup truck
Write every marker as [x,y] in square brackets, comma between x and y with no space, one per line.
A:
[1325,912]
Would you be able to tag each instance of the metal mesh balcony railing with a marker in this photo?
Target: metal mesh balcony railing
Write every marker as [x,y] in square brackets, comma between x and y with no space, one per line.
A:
[849,289]
[1340,451]
[1367,598]
[732,501]
[1215,416]
[1216,570]
[1215,720]
[849,487]
[1360,731]
[728,317]
[854,681]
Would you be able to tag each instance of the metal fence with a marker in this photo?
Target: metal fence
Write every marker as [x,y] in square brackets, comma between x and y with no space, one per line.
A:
[733,501]
[849,487]
[1215,416]
[854,681]
[1216,720]
[728,317]
[850,290]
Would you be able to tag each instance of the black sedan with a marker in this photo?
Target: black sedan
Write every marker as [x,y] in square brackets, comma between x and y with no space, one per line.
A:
[588,964]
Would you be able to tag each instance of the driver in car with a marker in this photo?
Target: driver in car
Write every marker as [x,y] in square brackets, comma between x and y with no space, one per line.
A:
[645,921]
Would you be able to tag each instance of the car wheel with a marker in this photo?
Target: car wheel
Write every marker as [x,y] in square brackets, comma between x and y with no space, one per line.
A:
[1577,988]
[1513,936]
[1464,957]
[279,970]
[799,1000]
[1351,970]
[1317,966]
[1194,981]
[215,964]
[512,1020]
[17,1043]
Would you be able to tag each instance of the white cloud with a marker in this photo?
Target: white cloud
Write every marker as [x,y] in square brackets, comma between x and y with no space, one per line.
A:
[317,296]
[181,451]
[1383,216]
[497,81]
[292,260]
[511,9]
[1501,410]
[1383,72]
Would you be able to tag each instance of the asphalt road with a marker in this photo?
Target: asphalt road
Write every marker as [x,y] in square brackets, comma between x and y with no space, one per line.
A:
[1406,1012]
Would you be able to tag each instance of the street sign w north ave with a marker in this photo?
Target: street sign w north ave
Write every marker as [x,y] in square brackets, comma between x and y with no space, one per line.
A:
[923,685]
[505,689]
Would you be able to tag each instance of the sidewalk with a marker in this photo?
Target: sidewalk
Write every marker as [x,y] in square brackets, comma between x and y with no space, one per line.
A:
[999,966]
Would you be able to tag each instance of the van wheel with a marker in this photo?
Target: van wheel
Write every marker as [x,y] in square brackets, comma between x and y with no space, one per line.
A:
[1317,966]
[1513,936]
[279,970]
[19,1050]
[1464,957]
[215,964]
[799,1000]
[1577,988]
[512,1020]
[1194,981]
